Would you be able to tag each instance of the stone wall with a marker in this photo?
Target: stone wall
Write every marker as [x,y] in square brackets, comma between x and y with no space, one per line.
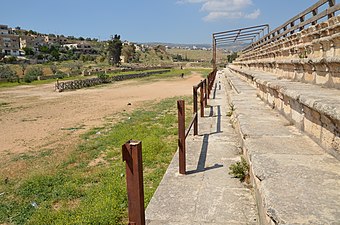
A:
[310,56]
[78,84]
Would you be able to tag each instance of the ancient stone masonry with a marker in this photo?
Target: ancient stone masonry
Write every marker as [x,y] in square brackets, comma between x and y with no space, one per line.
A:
[78,84]
[310,56]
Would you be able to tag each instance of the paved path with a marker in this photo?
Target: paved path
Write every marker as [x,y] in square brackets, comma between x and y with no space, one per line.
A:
[207,194]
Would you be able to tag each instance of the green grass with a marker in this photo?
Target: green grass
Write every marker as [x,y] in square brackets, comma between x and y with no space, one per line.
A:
[76,193]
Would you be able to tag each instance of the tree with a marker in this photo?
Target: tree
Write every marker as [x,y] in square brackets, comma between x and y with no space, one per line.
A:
[114,50]
[54,68]
[7,73]
[23,66]
[129,51]
[28,51]
[232,57]
[33,74]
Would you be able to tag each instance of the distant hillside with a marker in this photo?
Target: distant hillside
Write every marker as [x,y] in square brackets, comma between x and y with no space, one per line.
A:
[233,47]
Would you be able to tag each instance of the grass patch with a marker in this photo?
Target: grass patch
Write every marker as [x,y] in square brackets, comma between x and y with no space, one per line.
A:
[77,193]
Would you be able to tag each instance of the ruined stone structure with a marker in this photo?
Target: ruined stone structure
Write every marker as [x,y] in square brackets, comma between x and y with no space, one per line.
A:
[294,69]
[78,84]
[311,56]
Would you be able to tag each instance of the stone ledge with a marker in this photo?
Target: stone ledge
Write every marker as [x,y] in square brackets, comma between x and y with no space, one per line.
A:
[295,181]
[313,109]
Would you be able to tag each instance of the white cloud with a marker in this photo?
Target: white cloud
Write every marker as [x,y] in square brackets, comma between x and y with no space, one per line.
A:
[253,15]
[231,9]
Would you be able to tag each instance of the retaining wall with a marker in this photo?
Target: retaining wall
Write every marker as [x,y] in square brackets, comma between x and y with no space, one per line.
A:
[78,84]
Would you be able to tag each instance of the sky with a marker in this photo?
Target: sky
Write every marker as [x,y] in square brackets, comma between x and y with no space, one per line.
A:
[169,21]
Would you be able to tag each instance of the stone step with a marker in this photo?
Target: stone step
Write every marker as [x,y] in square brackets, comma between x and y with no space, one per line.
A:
[295,180]
[311,108]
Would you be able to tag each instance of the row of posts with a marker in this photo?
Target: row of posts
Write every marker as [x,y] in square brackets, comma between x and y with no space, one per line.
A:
[132,153]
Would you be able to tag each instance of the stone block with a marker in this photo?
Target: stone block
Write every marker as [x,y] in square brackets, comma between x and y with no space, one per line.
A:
[312,123]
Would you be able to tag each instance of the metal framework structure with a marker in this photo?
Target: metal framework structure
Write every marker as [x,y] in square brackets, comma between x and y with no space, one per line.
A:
[252,35]
[244,35]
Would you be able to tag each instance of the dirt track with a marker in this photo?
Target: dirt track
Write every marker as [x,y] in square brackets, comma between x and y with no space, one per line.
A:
[33,118]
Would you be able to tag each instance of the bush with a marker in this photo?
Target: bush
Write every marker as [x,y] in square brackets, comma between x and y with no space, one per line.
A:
[240,169]
[104,77]
[7,73]
[33,74]
[60,74]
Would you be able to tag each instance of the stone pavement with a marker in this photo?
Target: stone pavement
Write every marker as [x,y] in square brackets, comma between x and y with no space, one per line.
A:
[295,180]
[207,194]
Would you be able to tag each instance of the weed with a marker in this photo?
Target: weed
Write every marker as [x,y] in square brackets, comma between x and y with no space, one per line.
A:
[240,169]
[231,109]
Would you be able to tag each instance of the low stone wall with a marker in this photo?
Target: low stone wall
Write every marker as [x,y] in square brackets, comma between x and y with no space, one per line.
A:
[311,56]
[95,71]
[312,109]
[78,84]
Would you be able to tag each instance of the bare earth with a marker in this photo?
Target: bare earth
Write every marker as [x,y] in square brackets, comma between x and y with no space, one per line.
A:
[34,118]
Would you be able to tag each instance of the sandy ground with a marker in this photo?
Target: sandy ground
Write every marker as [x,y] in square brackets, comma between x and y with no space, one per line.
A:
[34,118]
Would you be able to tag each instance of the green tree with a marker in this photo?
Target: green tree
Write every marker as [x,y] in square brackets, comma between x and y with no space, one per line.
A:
[28,51]
[33,74]
[114,50]
[129,51]
[23,66]
[232,57]
[7,73]
[54,68]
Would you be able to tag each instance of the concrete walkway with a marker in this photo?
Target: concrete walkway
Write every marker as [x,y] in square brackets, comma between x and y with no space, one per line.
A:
[207,194]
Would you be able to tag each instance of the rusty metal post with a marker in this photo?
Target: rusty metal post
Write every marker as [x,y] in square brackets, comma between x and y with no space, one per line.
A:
[132,155]
[195,110]
[201,99]
[214,52]
[181,135]
[206,92]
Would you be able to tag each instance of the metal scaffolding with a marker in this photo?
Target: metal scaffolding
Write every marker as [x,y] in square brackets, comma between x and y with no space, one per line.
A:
[246,35]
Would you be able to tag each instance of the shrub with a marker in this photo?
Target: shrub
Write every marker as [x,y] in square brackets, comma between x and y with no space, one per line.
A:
[7,73]
[33,74]
[240,169]
[104,77]
[60,74]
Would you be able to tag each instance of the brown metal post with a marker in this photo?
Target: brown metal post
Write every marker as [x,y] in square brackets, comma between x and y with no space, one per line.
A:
[181,135]
[201,99]
[206,96]
[195,109]
[132,155]
[214,52]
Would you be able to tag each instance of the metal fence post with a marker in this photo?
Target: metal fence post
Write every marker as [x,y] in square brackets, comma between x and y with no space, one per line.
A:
[132,155]
[181,135]
[202,99]
[195,110]
[206,92]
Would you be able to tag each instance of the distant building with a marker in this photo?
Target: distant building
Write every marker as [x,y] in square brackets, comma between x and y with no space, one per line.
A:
[50,39]
[80,47]
[9,43]
[33,41]
[4,29]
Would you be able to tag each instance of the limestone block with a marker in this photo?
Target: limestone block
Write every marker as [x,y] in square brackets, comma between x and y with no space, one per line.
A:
[287,110]
[312,123]
[309,74]
[328,132]
[322,76]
